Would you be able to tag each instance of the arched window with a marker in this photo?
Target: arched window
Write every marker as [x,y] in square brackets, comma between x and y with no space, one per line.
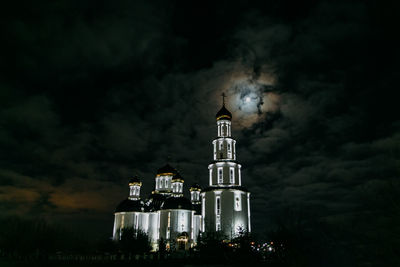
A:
[220,175]
[238,202]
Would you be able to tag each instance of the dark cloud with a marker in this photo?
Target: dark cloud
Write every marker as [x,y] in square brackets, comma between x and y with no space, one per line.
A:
[93,93]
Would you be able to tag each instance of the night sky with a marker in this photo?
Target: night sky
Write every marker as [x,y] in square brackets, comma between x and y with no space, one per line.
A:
[95,92]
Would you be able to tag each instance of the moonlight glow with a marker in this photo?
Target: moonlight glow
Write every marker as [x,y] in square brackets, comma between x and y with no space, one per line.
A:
[250,100]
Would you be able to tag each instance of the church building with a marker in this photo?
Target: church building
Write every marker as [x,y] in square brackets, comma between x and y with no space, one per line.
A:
[223,206]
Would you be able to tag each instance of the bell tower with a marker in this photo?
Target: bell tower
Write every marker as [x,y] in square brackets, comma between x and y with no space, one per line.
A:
[225,203]
[224,170]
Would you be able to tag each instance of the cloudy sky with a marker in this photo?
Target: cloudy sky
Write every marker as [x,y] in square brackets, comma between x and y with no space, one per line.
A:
[94,92]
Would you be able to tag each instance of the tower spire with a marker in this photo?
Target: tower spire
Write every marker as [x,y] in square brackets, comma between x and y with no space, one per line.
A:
[223,98]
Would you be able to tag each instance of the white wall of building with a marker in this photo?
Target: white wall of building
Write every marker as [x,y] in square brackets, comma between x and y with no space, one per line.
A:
[232,214]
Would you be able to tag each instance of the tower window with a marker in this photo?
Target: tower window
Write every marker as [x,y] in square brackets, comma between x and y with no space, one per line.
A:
[218,223]
[169,225]
[218,213]
[218,205]
[238,202]
[220,175]
[232,175]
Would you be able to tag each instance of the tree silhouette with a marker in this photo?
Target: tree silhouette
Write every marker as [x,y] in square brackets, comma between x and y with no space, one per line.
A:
[133,241]
[211,245]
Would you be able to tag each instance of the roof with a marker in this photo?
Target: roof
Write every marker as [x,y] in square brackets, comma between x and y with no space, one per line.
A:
[177,178]
[195,187]
[166,170]
[135,180]
[129,205]
[223,114]
[154,202]
[177,203]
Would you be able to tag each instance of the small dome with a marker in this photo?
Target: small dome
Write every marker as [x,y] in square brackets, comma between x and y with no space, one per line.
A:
[177,178]
[177,203]
[129,205]
[167,169]
[223,114]
[135,180]
[195,187]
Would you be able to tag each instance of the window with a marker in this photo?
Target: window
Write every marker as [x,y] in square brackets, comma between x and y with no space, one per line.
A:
[218,203]
[218,223]
[218,213]
[220,145]
[232,175]
[238,202]
[169,225]
[220,178]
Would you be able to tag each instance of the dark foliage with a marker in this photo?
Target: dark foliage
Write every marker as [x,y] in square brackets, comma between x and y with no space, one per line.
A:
[134,241]
[241,247]
[212,247]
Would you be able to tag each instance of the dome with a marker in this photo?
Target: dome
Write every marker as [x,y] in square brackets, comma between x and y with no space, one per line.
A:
[223,114]
[177,203]
[129,205]
[166,170]
[177,178]
[135,181]
[154,202]
[195,187]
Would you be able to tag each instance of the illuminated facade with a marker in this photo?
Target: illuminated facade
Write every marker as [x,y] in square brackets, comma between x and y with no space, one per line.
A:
[224,206]
[165,215]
